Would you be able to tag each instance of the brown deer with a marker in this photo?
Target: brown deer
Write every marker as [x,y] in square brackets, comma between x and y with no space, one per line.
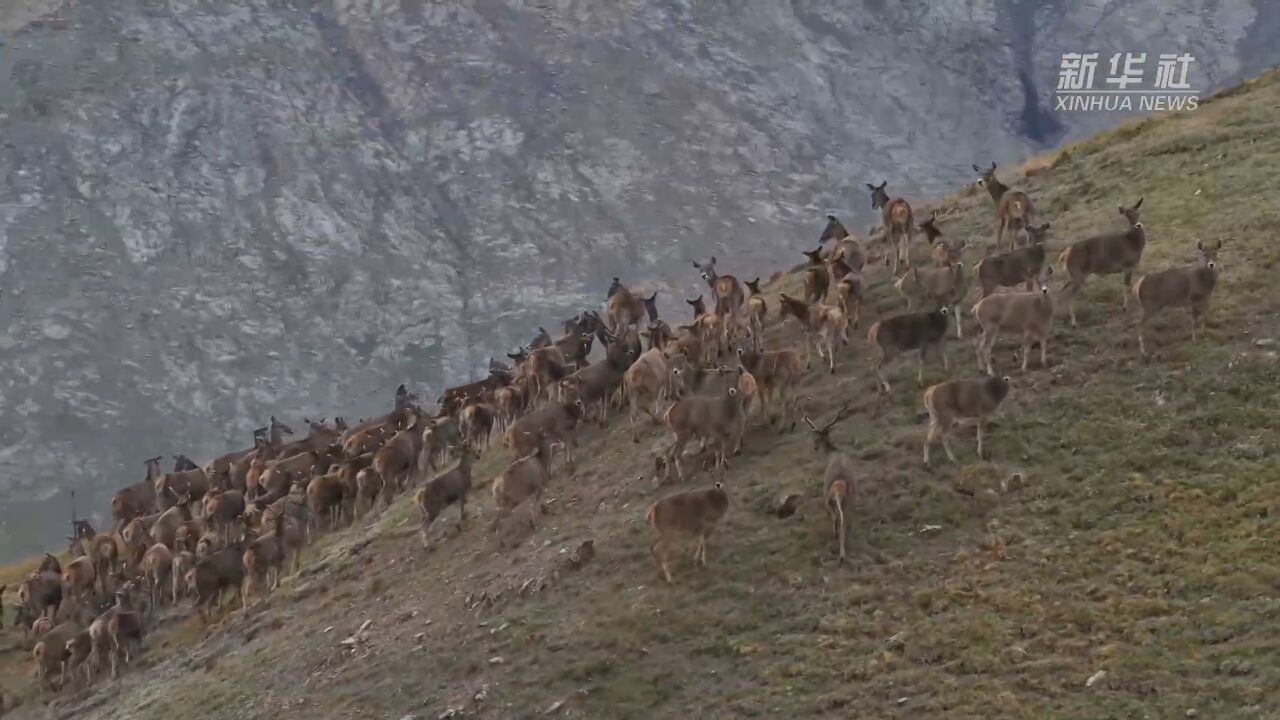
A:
[846,247]
[1189,287]
[692,512]
[898,223]
[777,374]
[910,331]
[961,399]
[1013,208]
[1104,254]
[839,484]
[1030,313]
[711,418]
[816,277]
[727,293]
[1016,267]
[938,286]
[757,310]
[823,326]
[627,308]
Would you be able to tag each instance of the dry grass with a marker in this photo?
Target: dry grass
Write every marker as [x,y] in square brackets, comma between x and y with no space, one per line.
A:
[1140,545]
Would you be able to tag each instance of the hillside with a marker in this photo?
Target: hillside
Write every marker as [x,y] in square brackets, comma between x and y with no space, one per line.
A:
[1141,543]
[285,208]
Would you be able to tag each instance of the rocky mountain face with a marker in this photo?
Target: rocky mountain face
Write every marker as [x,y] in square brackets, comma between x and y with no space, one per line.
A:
[211,212]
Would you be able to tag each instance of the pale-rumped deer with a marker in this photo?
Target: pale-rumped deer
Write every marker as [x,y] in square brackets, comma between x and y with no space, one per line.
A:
[1013,208]
[910,331]
[1028,313]
[816,277]
[823,326]
[845,246]
[727,293]
[898,223]
[627,309]
[839,484]
[692,512]
[953,400]
[1105,254]
[1189,287]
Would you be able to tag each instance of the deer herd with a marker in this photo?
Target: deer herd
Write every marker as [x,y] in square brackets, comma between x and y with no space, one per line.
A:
[235,523]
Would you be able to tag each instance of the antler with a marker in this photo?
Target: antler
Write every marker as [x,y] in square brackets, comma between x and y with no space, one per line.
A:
[845,411]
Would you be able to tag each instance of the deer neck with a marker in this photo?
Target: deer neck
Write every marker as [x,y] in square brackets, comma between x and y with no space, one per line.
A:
[997,189]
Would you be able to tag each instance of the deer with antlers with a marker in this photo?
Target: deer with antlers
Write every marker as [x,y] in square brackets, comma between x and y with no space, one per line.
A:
[839,484]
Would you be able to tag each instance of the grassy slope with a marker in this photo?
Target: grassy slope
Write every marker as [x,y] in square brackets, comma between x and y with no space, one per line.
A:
[1143,544]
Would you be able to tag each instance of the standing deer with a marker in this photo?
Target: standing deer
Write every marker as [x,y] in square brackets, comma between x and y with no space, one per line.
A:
[1190,287]
[727,293]
[816,277]
[1105,254]
[1013,208]
[961,399]
[898,223]
[839,484]
[846,246]
[1029,313]
[756,312]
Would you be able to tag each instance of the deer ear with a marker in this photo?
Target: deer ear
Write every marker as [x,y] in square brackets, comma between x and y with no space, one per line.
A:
[977,169]
[870,186]
[1200,245]
[993,164]
[831,218]
[1139,203]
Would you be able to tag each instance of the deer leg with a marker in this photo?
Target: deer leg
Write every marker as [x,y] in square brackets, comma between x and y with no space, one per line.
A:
[1027,343]
[929,438]
[884,383]
[946,441]
[1128,288]
[1044,351]
[840,526]
[920,366]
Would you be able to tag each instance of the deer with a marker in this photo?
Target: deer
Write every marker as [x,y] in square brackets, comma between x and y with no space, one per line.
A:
[711,418]
[1013,208]
[727,293]
[944,286]
[648,383]
[777,374]
[1030,313]
[839,484]
[1016,267]
[911,331]
[849,294]
[823,325]
[757,310]
[816,277]
[627,309]
[1105,254]
[961,399]
[846,247]
[897,220]
[450,487]
[692,512]
[1190,287]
